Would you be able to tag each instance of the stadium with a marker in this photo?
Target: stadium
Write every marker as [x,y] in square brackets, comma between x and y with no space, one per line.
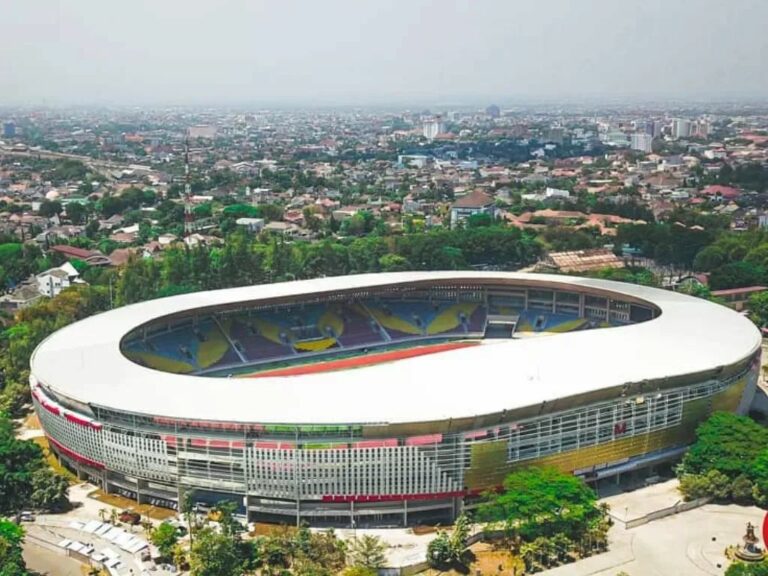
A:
[385,399]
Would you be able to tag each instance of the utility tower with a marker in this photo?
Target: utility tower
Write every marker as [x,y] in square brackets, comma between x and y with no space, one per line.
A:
[189,221]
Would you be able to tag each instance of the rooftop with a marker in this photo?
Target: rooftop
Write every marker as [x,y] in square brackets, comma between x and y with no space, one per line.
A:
[83,361]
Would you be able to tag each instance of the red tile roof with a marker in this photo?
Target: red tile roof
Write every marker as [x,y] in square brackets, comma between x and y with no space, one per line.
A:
[73,252]
[476,199]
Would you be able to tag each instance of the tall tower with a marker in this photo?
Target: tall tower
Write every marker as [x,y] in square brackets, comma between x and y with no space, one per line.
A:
[189,224]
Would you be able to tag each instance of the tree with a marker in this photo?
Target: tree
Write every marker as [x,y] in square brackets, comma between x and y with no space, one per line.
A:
[225,510]
[50,491]
[393,263]
[358,571]
[11,560]
[713,484]
[50,208]
[541,502]
[458,539]
[747,569]
[478,220]
[76,212]
[758,308]
[742,489]
[439,551]
[214,554]
[165,536]
[736,275]
[709,258]
[367,552]
[19,459]
[728,443]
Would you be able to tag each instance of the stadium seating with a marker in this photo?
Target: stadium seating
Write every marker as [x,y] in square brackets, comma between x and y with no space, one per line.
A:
[403,319]
[453,318]
[181,350]
[538,321]
[283,333]
[254,344]
[359,328]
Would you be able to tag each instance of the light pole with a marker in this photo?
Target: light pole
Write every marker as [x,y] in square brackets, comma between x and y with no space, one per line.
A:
[111,301]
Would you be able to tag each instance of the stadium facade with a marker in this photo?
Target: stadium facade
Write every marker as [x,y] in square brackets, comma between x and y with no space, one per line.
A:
[241,394]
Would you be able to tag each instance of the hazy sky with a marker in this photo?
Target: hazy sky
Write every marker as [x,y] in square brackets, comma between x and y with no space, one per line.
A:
[379,51]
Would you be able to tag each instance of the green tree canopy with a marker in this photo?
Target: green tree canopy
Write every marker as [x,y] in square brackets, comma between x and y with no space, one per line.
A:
[11,560]
[542,502]
[215,554]
[165,536]
[367,552]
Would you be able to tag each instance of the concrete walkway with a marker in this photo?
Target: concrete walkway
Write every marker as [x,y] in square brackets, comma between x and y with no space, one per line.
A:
[688,544]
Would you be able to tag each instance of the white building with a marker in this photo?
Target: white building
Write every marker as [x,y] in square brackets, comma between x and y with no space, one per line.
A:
[432,127]
[681,128]
[556,193]
[51,282]
[642,141]
[202,131]
[251,224]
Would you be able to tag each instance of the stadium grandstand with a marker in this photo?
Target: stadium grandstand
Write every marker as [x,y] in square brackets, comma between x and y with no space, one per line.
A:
[385,399]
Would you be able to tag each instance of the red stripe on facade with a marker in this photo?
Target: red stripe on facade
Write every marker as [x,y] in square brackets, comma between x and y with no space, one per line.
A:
[385,443]
[422,440]
[74,455]
[81,421]
[274,445]
[394,497]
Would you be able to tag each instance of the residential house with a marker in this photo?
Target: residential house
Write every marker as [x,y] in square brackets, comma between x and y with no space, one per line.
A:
[476,202]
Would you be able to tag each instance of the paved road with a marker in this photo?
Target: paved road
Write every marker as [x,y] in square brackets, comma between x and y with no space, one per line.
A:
[689,544]
[46,562]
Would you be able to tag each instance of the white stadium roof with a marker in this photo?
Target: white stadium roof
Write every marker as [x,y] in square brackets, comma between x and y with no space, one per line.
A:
[83,361]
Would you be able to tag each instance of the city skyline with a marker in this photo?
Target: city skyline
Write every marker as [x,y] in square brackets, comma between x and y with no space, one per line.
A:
[346,53]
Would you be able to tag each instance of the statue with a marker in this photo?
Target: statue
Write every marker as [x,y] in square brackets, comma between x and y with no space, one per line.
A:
[750,552]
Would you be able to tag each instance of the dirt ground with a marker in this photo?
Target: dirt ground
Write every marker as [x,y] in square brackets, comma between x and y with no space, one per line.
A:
[52,461]
[32,422]
[488,562]
[124,503]
[262,529]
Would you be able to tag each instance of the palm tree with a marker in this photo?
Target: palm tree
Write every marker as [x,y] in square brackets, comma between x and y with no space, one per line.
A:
[367,552]
[186,507]
[528,552]
[562,545]
[113,516]
[103,514]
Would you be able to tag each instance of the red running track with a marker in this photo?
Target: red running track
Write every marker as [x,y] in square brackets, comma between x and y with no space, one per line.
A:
[359,361]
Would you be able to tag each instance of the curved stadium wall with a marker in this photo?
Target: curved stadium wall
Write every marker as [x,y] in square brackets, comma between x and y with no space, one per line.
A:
[359,446]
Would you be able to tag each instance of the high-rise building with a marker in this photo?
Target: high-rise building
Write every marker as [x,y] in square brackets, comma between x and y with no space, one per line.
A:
[9,129]
[202,131]
[681,128]
[432,127]
[553,135]
[642,141]
[700,129]
[493,111]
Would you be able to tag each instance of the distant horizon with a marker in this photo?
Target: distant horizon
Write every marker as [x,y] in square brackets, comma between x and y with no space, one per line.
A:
[395,53]
[413,106]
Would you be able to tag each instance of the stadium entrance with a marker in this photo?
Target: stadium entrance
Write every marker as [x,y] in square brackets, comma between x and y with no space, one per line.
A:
[501,325]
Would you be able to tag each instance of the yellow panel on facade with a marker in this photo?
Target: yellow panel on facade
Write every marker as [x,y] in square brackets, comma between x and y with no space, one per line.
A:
[488,464]
[729,399]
